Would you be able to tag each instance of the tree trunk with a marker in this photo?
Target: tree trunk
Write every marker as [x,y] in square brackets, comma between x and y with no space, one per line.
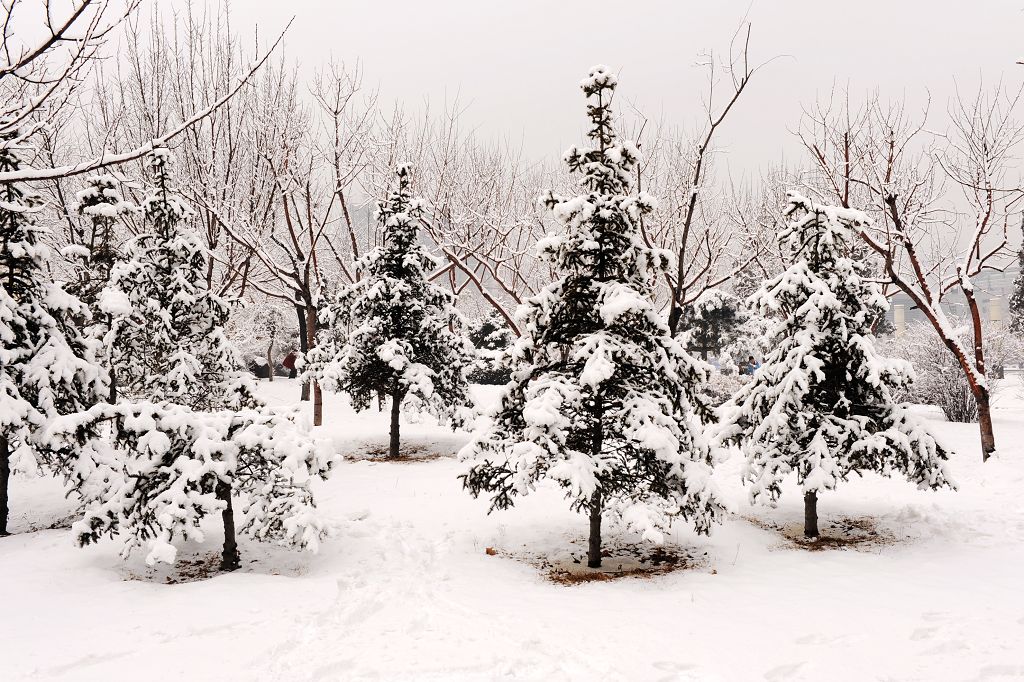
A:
[988,436]
[112,397]
[303,345]
[594,548]
[270,362]
[5,480]
[396,407]
[318,396]
[229,560]
[811,514]
[980,390]
[318,405]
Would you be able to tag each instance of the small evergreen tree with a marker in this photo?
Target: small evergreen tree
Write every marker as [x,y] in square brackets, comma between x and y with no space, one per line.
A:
[822,403]
[602,398]
[712,322]
[393,332]
[103,205]
[491,338]
[46,363]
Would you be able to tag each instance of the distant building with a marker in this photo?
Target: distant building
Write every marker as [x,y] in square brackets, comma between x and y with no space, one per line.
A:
[991,288]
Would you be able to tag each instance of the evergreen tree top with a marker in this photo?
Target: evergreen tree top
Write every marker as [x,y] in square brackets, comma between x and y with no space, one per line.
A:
[400,213]
[601,239]
[101,198]
[822,233]
[162,205]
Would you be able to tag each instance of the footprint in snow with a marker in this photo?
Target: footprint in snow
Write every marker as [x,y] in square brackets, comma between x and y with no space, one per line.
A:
[783,672]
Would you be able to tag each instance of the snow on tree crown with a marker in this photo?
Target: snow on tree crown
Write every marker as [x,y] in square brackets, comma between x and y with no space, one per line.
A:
[601,235]
[822,233]
[161,206]
[400,213]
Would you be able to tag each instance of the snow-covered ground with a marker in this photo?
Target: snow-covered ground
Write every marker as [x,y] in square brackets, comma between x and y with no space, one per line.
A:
[406,591]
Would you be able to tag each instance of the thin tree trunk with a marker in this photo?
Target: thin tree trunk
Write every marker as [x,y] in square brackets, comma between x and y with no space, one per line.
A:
[980,390]
[270,362]
[988,436]
[318,404]
[318,396]
[594,548]
[396,407]
[112,396]
[5,480]
[811,514]
[303,345]
[229,560]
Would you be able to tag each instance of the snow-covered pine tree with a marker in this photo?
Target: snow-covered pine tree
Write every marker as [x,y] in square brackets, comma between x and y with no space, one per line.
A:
[602,397]
[394,332]
[168,349]
[102,204]
[184,465]
[713,321]
[821,405]
[167,336]
[46,363]
[1017,297]
[491,337]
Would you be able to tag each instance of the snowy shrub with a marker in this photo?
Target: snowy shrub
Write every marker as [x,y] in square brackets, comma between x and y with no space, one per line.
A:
[938,378]
[823,405]
[603,400]
[188,465]
[721,386]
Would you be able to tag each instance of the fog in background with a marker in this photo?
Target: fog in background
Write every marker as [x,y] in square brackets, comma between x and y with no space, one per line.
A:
[514,66]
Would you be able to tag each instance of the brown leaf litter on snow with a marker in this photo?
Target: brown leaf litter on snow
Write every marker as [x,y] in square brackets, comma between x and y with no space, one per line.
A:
[861,534]
[620,559]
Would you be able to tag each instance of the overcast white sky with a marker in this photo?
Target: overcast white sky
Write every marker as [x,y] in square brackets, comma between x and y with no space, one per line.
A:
[517,64]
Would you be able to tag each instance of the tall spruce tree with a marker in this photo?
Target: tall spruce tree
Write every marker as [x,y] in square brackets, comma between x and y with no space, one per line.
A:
[822,406]
[394,332]
[196,436]
[46,363]
[602,398]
